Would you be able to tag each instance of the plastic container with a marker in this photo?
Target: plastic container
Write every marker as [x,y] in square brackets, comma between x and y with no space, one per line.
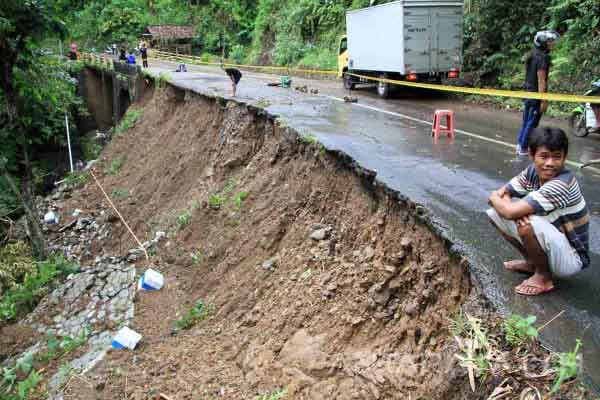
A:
[151,280]
[126,339]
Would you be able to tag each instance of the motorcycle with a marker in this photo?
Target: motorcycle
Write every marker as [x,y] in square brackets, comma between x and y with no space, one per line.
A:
[583,121]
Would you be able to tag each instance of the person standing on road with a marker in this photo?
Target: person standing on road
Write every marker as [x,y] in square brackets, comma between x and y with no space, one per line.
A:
[235,75]
[144,54]
[537,66]
[549,223]
[122,54]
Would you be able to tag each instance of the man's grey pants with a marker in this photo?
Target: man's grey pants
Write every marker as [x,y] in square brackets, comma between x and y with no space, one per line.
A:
[562,257]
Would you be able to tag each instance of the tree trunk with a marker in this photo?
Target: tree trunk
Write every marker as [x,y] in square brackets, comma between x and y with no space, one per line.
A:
[38,242]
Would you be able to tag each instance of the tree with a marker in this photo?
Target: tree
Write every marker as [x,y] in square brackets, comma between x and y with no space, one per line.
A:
[23,24]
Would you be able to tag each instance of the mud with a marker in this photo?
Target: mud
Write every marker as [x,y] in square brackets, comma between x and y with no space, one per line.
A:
[320,281]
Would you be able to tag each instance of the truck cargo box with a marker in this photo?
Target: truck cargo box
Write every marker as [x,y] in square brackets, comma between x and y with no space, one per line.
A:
[406,36]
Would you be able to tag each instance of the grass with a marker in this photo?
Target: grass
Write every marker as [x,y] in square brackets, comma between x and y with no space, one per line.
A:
[191,317]
[216,201]
[90,149]
[119,193]
[131,117]
[239,198]
[184,219]
[23,297]
[309,138]
[276,395]
[76,179]
[263,103]
[197,257]
[115,165]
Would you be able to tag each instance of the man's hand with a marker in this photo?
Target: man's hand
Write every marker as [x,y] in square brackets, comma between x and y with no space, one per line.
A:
[523,221]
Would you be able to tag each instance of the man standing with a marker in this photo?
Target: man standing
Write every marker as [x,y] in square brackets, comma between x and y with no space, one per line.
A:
[548,223]
[537,66]
[235,75]
[144,54]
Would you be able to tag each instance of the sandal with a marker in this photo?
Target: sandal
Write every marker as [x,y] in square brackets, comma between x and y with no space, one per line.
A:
[527,289]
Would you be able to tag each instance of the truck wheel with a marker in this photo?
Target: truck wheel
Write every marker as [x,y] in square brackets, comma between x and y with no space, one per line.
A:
[383,88]
[348,84]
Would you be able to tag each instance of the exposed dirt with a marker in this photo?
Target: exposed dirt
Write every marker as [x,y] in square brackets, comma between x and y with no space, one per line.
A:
[358,314]
[320,281]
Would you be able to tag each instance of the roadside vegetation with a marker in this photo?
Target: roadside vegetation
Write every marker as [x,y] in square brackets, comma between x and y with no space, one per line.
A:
[494,354]
[28,281]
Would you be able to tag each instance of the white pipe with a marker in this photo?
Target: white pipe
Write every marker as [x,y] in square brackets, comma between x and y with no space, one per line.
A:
[69,141]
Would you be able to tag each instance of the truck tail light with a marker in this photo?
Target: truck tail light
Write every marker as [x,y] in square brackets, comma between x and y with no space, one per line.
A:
[412,76]
[453,73]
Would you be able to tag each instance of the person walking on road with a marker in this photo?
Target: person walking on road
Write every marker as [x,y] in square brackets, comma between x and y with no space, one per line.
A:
[235,75]
[549,221]
[144,54]
[122,54]
[537,66]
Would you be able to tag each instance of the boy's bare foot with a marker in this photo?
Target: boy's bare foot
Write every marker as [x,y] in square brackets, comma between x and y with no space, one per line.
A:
[519,266]
[534,286]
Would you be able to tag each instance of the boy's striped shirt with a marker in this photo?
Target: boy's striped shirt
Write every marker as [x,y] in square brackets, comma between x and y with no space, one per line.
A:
[560,202]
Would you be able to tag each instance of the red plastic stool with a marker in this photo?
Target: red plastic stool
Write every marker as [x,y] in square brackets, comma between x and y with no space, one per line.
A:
[437,123]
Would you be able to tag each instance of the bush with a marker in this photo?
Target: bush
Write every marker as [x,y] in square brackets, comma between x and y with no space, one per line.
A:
[16,262]
[23,297]
[237,54]
[131,117]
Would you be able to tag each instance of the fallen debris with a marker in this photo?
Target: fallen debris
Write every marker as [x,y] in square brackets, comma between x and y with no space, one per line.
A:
[350,99]
[126,339]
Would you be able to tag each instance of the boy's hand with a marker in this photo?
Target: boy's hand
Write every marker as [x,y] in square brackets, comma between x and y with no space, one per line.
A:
[523,221]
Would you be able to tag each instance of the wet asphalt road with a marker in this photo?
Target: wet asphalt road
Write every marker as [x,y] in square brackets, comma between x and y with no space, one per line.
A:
[452,178]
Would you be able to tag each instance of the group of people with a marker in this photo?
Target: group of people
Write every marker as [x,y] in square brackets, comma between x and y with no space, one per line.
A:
[541,211]
[129,56]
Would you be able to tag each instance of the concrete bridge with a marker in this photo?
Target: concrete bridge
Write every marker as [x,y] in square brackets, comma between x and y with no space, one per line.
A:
[109,87]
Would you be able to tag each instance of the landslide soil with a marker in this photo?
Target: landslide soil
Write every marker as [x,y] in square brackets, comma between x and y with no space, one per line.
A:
[359,312]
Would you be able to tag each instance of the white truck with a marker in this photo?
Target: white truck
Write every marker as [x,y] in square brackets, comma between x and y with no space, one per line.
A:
[414,40]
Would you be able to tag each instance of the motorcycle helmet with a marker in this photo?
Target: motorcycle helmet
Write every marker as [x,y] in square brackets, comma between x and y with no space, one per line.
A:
[543,37]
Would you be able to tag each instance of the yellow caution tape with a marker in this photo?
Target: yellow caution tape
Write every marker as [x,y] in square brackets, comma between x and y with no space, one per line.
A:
[568,98]
[197,60]
[489,92]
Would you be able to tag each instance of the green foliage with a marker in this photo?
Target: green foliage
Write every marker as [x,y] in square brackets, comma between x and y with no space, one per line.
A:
[238,199]
[184,219]
[23,297]
[76,179]
[197,257]
[191,317]
[216,201]
[90,148]
[520,330]
[115,165]
[16,262]
[131,117]
[458,324]
[56,348]
[119,193]
[276,395]
[566,366]
[308,138]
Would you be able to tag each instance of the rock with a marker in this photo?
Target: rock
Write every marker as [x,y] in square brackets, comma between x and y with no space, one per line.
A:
[406,243]
[320,234]
[269,264]
[51,218]
[76,213]
[368,253]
